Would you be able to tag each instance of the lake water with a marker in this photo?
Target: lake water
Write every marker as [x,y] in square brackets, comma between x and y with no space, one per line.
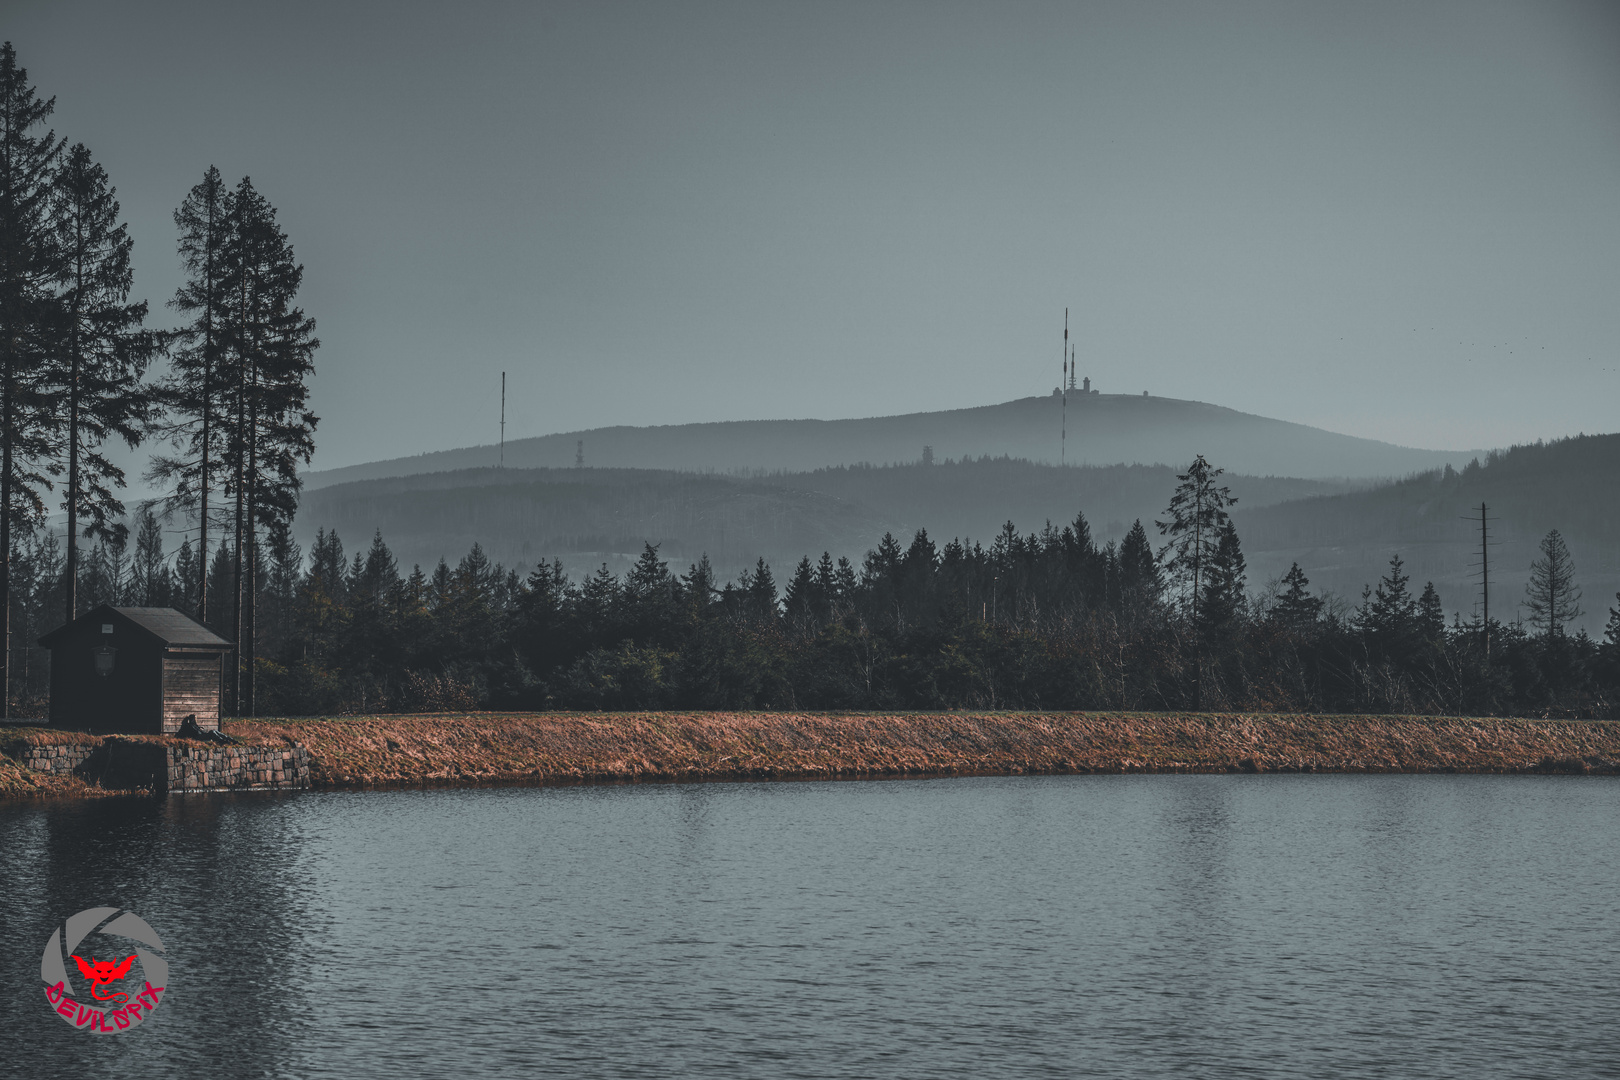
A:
[1024,926]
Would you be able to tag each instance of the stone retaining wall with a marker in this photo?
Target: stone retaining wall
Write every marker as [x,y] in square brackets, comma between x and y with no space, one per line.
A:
[171,766]
[60,759]
[210,768]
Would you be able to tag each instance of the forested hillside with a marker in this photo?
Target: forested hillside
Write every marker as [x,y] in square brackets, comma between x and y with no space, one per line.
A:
[586,517]
[1341,533]
[1432,520]
[1103,429]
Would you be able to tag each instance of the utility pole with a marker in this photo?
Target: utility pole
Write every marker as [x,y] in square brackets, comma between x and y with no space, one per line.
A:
[1485,579]
[503,419]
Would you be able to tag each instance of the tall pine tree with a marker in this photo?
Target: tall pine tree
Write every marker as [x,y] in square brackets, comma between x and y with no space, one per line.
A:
[1198,521]
[28,161]
[100,353]
[269,429]
[193,390]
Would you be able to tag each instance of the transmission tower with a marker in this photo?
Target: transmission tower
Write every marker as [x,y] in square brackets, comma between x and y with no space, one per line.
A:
[1063,385]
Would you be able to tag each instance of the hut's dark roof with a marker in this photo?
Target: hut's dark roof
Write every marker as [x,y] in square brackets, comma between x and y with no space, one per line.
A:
[174,627]
[168,625]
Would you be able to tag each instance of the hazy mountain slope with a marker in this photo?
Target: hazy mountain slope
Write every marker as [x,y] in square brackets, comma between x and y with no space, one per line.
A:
[588,516]
[1342,536]
[1344,541]
[1103,429]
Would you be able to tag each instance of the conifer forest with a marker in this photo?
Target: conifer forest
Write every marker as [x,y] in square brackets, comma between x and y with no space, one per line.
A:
[1167,619]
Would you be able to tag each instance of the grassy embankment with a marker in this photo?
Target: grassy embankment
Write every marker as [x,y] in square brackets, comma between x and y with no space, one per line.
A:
[594,747]
[489,748]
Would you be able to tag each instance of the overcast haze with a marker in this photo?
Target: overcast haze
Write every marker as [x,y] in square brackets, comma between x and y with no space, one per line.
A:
[1399,221]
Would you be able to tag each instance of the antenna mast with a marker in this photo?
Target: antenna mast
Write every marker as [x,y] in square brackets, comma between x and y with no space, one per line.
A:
[1063,444]
[503,419]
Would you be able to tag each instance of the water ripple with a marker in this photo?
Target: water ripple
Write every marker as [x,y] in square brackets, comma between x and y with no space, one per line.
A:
[1211,926]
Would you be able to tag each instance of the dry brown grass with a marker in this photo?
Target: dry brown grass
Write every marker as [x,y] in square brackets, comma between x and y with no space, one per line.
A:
[459,749]
[17,781]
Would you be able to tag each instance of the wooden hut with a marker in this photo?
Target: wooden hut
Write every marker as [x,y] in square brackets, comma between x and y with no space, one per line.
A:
[135,670]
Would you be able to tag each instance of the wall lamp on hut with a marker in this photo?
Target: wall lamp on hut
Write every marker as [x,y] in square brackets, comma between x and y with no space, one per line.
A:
[104,654]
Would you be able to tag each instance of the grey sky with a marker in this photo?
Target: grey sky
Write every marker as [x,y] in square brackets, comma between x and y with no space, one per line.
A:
[1393,220]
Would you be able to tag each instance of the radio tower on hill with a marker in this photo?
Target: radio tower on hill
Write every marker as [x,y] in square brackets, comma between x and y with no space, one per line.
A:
[1063,443]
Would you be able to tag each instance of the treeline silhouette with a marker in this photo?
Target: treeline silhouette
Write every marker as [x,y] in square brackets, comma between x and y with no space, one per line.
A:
[75,355]
[1042,620]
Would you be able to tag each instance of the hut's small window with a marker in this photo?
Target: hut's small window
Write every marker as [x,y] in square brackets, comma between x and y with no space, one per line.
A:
[106,628]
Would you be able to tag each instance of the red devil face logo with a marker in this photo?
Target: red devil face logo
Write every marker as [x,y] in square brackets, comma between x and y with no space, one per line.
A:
[102,972]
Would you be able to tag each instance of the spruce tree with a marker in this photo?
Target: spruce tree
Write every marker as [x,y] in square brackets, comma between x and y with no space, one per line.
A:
[826,589]
[1388,615]
[149,571]
[698,584]
[1431,617]
[1552,595]
[759,588]
[798,599]
[1296,608]
[1197,522]
[192,391]
[1198,519]
[189,575]
[221,582]
[845,585]
[100,353]
[1113,592]
[379,572]
[1141,585]
[28,259]
[281,590]
[1224,583]
[1084,563]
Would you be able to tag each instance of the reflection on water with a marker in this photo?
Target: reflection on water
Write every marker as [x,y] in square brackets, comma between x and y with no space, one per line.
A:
[1122,926]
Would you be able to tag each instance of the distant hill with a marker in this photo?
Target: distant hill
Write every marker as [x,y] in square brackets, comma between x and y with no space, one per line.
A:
[1345,540]
[1103,429]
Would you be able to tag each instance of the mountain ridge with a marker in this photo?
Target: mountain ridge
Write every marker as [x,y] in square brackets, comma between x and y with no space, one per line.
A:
[1104,429]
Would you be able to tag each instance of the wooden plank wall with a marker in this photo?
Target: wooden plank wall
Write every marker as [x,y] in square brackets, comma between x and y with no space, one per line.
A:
[191,685]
